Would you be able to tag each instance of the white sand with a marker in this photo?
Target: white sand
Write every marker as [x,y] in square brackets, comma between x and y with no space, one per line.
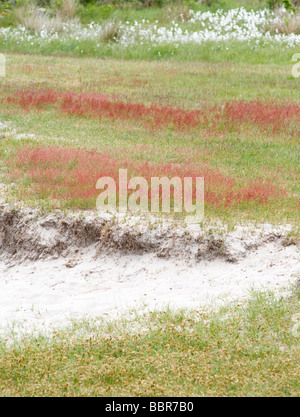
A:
[42,294]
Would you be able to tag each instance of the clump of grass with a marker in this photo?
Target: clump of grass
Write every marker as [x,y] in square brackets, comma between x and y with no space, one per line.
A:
[285,23]
[37,19]
[68,9]
[111,31]
[248,350]
[175,12]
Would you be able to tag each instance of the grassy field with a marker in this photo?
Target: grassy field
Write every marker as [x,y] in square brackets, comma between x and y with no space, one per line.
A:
[236,125]
[243,350]
[73,110]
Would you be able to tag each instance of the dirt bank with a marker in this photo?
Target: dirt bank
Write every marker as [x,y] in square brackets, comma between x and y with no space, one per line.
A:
[56,266]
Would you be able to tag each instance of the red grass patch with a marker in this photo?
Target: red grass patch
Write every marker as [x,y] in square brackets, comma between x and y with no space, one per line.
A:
[266,116]
[71,174]
[272,114]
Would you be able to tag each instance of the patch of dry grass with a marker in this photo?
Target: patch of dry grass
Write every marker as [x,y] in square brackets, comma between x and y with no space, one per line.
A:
[176,11]
[68,9]
[111,31]
[247,350]
[37,19]
[285,23]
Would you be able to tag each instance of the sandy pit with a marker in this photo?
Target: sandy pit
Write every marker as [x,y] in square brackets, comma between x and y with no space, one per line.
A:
[55,267]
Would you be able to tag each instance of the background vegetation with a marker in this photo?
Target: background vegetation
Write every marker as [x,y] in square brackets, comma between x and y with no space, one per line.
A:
[101,10]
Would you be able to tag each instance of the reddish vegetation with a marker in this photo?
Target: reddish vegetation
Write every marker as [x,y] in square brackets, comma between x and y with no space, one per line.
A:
[275,115]
[219,118]
[104,107]
[71,174]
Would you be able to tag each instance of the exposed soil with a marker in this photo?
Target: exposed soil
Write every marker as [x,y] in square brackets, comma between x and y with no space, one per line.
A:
[57,266]
[26,234]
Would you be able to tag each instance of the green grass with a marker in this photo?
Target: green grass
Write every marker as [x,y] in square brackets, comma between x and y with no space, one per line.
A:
[186,84]
[240,350]
[212,52]
[249,154]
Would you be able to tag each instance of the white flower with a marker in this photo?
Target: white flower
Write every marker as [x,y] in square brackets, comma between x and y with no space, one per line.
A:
[236,24]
